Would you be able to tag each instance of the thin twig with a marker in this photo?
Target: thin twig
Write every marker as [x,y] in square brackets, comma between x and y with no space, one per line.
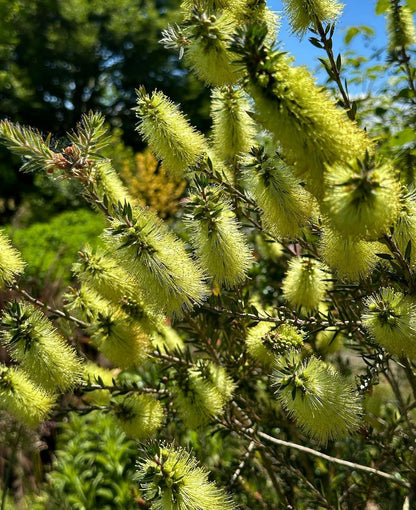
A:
[240,467]
[41,304]
[334,460]
[277,320]
[334,68]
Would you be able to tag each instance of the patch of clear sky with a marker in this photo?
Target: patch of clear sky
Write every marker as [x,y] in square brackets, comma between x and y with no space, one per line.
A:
[355,13]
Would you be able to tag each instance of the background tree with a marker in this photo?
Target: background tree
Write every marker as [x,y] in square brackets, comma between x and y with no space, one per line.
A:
[62,58]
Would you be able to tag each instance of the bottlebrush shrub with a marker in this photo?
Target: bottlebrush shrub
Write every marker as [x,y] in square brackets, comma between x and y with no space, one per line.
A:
[252,323]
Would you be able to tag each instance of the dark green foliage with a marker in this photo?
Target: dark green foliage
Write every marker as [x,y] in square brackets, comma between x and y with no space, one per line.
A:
[61,59]
[93,468]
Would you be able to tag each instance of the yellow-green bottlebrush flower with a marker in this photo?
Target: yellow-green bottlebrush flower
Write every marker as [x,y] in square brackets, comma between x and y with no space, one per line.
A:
[259,13]
[400,26]
[27,402]
[108,183]
[233,6]
[96,375]
[139,416]
[217,238]
[207,53]
[268,248]
[170,136]
[305,283]
[233,129]
[362,198]
[171,479]
[265,341]
[286,205]
[304,14]
[390,317]
[218,377]
[350,257]
[11,263]
[196,399]
[120,339]
[84,303]
[171,280]
[312,131]
[329,340]
[32,341]
[105,276]
[405,226]
[322,402]
[165,338]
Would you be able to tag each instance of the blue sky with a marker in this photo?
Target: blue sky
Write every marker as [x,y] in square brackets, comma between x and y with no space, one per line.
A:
[356,12]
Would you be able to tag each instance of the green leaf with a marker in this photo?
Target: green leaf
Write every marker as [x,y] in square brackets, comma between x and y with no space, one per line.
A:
[351,33]
[412,5]
[382,6]
[403,137]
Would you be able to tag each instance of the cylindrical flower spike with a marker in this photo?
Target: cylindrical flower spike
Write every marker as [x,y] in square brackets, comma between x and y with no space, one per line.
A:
[93,375]
[84,303]
[258,13]
[102,273]
[350,257]
[405,226]
[400,26]
[233,129]
[168,132]
[311,130]
[27,402]
[32,341]
[217,238]
[171,280]
[305,283]
[207,53]
[215,5]
[139,416]
[11,263]
[362,198]
[171,479]
[108,183]
[268,249]
[196,399]
[305,14]
[322,402]
[390,317]
[286,205]
[219,378]
[165,338]
[265,341]
[120,339]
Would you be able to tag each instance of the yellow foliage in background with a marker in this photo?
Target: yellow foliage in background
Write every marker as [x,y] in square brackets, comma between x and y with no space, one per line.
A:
[150,185]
